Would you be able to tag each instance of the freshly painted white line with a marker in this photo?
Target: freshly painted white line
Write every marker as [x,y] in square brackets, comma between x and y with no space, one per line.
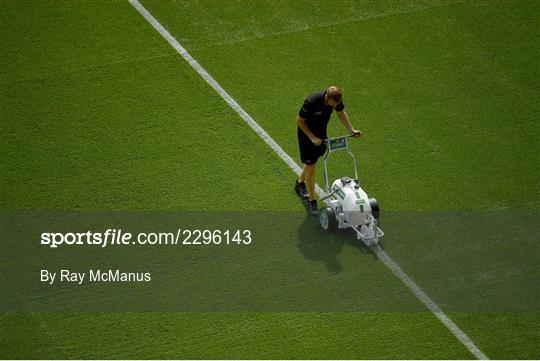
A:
[215,85]
[382,255]
[429,303]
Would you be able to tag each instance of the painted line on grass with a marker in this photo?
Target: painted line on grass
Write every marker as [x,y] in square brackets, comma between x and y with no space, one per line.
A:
[382,255]
[222,92]
[429,303]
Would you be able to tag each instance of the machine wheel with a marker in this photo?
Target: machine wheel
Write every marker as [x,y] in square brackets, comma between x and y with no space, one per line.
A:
[327,218]
[375,211]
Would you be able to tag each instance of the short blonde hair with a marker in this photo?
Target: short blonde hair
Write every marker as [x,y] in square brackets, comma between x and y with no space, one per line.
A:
[334,93]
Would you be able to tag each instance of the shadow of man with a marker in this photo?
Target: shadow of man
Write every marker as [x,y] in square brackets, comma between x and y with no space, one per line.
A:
[317,245]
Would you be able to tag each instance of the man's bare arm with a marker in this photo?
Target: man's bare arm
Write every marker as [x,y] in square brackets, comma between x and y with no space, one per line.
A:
[302,124]
[344,119]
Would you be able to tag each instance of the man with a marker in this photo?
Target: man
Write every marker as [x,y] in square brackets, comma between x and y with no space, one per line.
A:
[312,122]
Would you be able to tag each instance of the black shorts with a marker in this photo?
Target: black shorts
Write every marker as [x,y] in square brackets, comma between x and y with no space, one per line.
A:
[309,152]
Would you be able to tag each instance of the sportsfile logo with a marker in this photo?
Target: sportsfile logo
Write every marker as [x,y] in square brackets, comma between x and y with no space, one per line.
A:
[185,237]
[110,236]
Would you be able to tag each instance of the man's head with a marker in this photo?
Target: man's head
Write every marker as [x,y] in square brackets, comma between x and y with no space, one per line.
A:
[332,97]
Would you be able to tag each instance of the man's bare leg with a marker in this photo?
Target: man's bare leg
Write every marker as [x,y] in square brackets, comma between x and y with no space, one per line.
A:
[302,176]
[309,173]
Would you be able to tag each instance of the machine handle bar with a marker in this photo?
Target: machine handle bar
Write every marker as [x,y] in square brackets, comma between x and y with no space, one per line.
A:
[340,137]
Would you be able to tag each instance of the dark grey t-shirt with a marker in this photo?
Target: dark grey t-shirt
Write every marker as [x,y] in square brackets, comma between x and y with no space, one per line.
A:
[317,114]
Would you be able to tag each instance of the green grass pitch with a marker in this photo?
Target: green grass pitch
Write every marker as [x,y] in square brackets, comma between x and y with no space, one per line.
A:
[99,113]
